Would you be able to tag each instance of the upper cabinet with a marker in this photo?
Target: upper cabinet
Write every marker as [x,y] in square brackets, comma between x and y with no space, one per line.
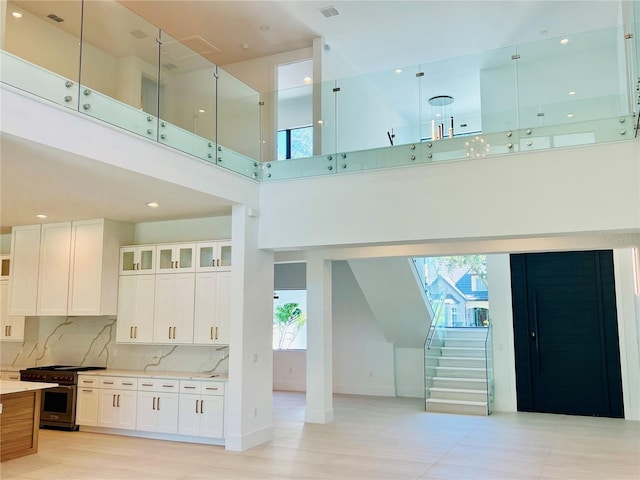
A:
[12,327]
[25,259]
[175,258]
[66,268]
[137,260]
[213,256]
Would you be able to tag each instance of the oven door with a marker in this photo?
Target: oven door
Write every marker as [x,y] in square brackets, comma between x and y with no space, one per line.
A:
[58,407]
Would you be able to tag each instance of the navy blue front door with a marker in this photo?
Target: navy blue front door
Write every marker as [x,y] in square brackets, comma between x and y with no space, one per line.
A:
[566,333]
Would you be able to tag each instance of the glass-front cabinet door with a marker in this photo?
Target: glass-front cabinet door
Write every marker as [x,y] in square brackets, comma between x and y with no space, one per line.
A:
[175,258]
[213,256]
[138,259]
[4,260]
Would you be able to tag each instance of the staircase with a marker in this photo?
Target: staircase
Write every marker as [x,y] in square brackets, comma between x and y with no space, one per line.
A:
[457,372]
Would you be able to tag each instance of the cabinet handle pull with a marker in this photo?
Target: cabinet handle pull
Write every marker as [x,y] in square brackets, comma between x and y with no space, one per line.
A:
[201,406]
[135,332]
[168,386]
[127,383]
[188,386]
[177,264]
[197,406]
[130,332]
[211,388]
[216,333]
[154,403]
[113,403]
[158,403]
[107,382]
[211,334]
[174,333]
[169,333]
[218,261]
[118,403]
[147,384]
[87,390]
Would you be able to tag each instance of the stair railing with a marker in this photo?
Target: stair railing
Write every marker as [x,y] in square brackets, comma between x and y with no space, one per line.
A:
[488,352]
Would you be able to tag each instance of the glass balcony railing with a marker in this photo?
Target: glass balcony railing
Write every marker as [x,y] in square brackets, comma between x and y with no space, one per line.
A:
[104,61]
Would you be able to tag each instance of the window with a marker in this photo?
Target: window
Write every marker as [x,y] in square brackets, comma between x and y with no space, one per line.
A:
[290,320]
[295,142]
[478,284]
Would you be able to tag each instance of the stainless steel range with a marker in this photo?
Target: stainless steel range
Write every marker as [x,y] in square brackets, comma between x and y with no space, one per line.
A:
[58,409]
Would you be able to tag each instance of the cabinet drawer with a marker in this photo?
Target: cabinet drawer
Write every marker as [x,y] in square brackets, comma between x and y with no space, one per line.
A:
[119,383]
[157,385]
[188,386]
[88,381]
[212,388]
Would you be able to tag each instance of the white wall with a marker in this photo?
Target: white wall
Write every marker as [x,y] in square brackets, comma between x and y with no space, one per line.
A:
[363,360]
[290,370]
[410,372]
[185,230]
[557,192]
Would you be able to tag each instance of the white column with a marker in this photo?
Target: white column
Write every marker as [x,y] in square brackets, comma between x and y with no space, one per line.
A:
[249,396]
[3,21]
[319,345]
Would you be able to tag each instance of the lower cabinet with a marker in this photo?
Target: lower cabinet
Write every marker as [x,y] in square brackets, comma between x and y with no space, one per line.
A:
[157,406]
[201,409]
[88,400]
[12,327]
[117,405]
[193,408]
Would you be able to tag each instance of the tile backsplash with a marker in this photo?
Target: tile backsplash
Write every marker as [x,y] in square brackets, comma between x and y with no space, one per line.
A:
[91,341]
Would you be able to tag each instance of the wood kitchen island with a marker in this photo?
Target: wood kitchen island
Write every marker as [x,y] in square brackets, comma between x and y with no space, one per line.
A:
[20,417]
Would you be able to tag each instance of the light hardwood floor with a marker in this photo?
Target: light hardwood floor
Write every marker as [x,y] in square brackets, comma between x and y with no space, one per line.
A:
[371,438]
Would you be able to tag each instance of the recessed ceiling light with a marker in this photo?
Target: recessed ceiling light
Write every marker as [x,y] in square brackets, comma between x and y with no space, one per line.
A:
[201,110]
[572,93]
[41,215]
[245,46]
[16,14]
[320,122]
[398,71]
[153,204]
[307,80]
[569,115]
[564,41]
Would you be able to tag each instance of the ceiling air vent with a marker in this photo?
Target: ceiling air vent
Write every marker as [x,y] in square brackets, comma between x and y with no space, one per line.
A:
[330,11]
[170,66]
[139,34]
[55,17]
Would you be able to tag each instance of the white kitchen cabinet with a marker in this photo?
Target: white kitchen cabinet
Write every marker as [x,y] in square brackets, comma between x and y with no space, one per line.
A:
[118,403]
[137,260]
[25,259]
[10,375]
[157,406]
[213,256]
[174,308]
[53,270]
[11,327]
[201,411]
[211,315]
[175,258]
[88,400]
[93,280]
[136,297]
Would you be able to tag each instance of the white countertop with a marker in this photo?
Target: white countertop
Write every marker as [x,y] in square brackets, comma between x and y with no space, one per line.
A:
[151,374]
[15,386]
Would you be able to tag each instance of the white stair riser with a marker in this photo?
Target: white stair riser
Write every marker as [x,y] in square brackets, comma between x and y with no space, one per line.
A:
[441,383]
[463,352]
[463,362]
[458,409]
[467,396]
[458,372]
[465,333]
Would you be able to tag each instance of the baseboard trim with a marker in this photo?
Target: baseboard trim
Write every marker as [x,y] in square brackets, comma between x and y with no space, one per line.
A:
[239,443]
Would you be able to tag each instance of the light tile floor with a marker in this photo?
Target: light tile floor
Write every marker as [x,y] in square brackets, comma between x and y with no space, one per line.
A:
[371,438]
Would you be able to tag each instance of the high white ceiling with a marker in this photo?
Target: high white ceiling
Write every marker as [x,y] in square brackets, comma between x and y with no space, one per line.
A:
[370,35]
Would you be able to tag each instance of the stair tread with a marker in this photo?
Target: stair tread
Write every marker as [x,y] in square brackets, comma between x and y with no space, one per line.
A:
[455,390]
[462,358]
[458,379]
[456,402]
[473,369]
